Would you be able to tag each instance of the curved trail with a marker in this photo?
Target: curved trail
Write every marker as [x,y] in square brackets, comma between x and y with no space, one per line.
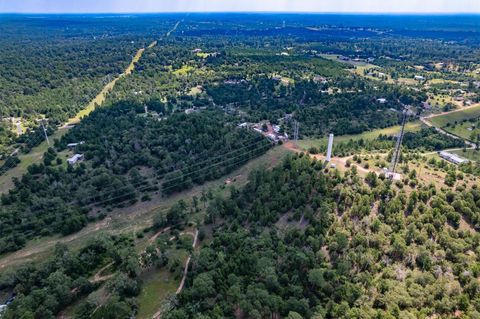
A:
[187,263]
[158,314]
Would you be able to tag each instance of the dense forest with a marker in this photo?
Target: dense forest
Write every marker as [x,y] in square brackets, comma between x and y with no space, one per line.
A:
[127,156]
[53,66]
[300,243]
[43,290]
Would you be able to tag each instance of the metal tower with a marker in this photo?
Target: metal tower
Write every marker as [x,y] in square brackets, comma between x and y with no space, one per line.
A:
[396,152]
[45,132]
[296,128]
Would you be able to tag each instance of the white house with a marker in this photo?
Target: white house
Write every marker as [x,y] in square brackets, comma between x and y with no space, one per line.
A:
[74,159]
[382,100]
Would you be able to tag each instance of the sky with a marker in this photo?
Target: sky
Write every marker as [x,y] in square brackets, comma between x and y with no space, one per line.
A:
[142,6]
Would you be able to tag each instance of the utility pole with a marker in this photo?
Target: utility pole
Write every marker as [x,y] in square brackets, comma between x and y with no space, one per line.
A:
[45,132]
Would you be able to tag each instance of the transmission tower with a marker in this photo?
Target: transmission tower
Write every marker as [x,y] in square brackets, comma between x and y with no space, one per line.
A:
[296,128]
[398,146]
[45,132]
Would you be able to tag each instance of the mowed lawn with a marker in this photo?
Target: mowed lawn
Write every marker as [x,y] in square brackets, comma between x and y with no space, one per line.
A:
[458,116]
[370,135]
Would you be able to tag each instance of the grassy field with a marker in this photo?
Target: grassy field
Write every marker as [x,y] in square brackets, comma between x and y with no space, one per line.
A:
[463,131]
[157,285]
[370,135]
[440,100]
[468,113]
[470,154]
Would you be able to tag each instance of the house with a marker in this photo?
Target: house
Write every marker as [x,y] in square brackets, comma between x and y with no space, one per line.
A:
[272,137]
[320,79]
[243,125]
[382,100]
[284,54]
[196,50]
[74,159]
[453,158]
[419,78]
[276,128]
[191,110]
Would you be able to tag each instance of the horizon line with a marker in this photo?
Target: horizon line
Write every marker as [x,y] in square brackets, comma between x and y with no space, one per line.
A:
[253,12]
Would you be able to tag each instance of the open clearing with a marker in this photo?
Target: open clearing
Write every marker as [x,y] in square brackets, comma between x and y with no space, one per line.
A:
[457,115]
[370,135]
[158,284]
[470,154]
[34,156]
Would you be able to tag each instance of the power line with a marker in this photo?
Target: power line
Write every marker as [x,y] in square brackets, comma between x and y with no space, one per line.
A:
[153,179]
[398,146]
[35,140]
[156,177]
[172,186]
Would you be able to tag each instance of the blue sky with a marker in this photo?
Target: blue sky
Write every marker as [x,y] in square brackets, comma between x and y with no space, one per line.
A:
[116,6]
